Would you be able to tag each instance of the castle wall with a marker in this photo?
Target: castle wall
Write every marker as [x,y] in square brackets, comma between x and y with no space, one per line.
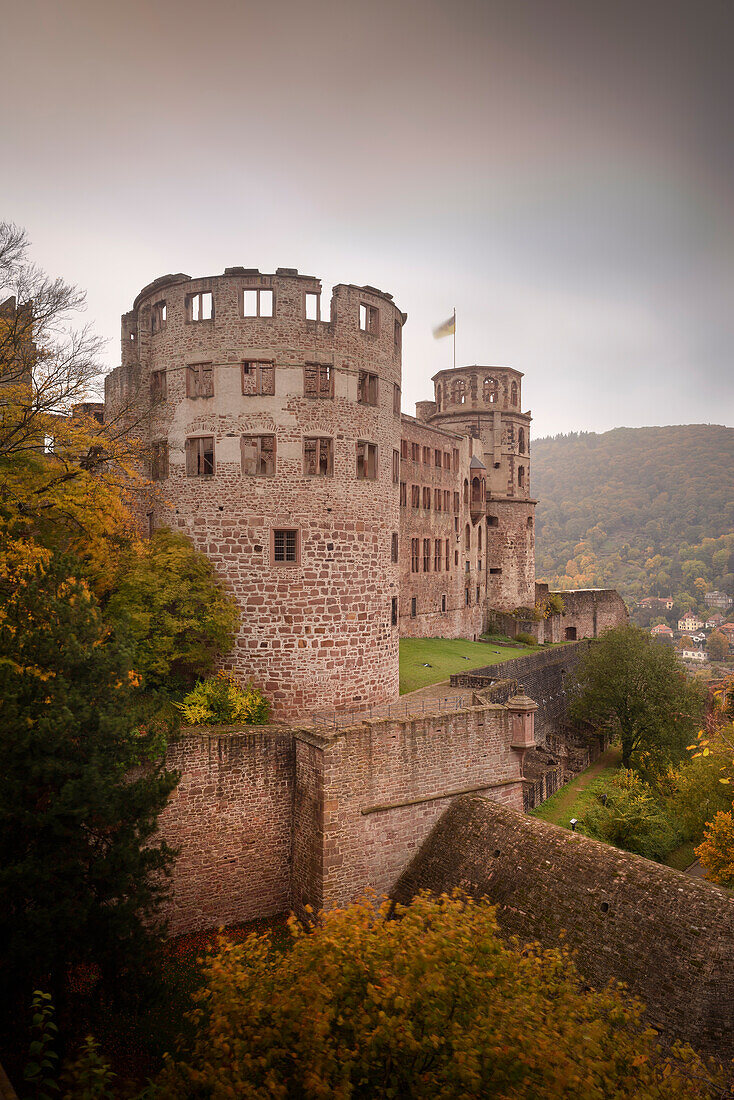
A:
[588,612]
[666,935]
[231,818]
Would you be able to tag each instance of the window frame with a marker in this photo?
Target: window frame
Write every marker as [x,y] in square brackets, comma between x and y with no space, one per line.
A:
[199,440]
[159,469]
[158,317]
[368,461]
[289,562]
[198,295]
[197,372]
[371,316]
[259,436]
[259,365]
[320,393]
[257,291]
[323,442]
[368,387]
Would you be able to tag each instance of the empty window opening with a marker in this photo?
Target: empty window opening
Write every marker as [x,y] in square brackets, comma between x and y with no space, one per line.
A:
[414,555]
[489,391]
[437,459]
[426,497]
[447,500]
[521,440]
[477,490]
[258,377]
[513,393]
[426,555]
[492,521]
[529,522]
[467,567]
[413,607]
[467,537]
[394,611]
[313,306]
[403,494]
[318,457]
[396,399]
[158,386]
[570,633]
[404,449]
[159,461]
[395,467]
[200,456]
[366,460]
[286,545]
[467,597]
[457,502]
[415,496]
[369,319]
[458,393]
[158,317]
[448,555]
[437,555]
[455,459]
[367,388]
[318,380]
[199,380]
[426,456]
[200,307]
[466,490]
[456,558]
[443,603]
[521,477]
[477,593]
[479,540]
[394,546]
[258,455]
[496,572]
[257,303]
[437,500]
[446,460]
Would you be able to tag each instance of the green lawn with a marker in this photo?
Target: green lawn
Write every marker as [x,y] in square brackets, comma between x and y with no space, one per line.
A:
[576,797]
[447,655]
[682,857]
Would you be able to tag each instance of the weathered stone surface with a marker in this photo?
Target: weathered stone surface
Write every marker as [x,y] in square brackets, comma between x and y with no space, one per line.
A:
[668,936]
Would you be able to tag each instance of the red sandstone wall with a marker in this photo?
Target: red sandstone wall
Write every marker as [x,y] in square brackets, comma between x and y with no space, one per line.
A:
[381,763]
[231,819]
[590,611]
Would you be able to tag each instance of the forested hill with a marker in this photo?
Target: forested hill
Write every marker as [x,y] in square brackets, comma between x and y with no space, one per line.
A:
[649,511]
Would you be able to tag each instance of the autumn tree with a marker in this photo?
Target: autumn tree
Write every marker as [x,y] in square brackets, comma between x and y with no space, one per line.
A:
[717,646]
[716,851]
[430,1004]
[630,686]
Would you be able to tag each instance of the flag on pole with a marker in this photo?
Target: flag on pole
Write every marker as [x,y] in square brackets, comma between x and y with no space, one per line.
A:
[448,328]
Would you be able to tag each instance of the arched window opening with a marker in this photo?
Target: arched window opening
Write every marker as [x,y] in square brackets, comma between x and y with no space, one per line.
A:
[476,490]
[466,491]
[467,537]
[459,391]
[489,391]
[521,440]
[513,393]
[521,477]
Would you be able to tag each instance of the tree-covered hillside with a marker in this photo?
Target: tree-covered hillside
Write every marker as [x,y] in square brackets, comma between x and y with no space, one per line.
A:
[649,511]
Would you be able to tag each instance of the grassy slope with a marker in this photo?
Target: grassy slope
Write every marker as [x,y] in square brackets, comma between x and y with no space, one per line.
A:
[575,798]
[447,655]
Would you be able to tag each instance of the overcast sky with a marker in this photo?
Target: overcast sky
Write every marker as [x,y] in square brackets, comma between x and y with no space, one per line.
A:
[562,171]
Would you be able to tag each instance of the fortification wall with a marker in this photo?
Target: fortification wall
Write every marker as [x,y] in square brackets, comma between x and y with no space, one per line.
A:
[666,935]
[231,820]
[587,612]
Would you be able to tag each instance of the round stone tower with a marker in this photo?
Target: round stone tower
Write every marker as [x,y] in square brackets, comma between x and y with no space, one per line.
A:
[486,402]
[275,437]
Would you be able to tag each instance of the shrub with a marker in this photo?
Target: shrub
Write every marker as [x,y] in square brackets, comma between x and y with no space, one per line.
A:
[696,794]
[525,638]
[631,819]
[432,1004]
[220,700]
[717,850]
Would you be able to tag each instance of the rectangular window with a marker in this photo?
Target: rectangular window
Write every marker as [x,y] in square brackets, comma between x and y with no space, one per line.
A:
[396,399]
[437,555]
[415,452]
[495,572]
[369,319]
[415,496]
[437,459]
[467,597]
[318,457]
[448,556]
[455,454]
[443,603]
[492,521]
[313,306]
[477,593]
[414,554]
[158,317]
[200,456]
[403,494]
[199,380]
[446,500]
[426,456]
[258,455]
[404,449]
[200,306]
[159,461]
[158,386]
[398,335]
[367,388]
[426,497]
[394,611]
[394,544]
[395,467]
[413,607]
[366,460]
[457,502]
[286,546]
[257,303]
[467,567]
[446,460]
[426,555]
[258,377]
[318,380]
[456,558]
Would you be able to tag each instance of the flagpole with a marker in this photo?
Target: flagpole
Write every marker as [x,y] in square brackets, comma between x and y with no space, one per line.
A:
[454,337]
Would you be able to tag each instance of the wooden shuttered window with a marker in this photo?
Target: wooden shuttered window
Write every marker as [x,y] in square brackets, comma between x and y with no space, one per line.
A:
[200,456]
[318,457]
[258,377]
[257,455]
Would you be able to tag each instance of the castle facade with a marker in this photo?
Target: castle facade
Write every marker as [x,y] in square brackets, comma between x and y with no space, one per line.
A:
[277,443]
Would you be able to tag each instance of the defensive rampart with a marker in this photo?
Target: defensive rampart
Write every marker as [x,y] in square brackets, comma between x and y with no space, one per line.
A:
[664,934]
